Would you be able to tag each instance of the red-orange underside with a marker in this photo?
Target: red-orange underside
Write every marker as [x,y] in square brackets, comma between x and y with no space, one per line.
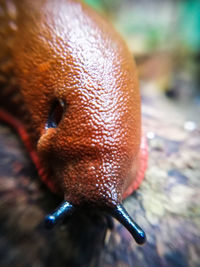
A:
[20,129]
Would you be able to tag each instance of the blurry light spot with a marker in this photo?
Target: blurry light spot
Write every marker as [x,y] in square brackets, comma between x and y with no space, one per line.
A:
[190,126]
[150,135]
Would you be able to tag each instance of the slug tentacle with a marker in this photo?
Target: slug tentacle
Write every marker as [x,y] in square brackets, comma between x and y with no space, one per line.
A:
[64,210]
[123,217]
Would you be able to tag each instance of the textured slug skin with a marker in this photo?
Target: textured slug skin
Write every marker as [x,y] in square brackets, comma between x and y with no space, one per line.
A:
[62,51]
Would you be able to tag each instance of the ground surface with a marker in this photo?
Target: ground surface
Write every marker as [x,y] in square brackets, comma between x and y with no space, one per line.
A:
[167,205]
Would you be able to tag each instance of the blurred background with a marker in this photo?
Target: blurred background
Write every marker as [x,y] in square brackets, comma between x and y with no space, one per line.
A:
[164,37]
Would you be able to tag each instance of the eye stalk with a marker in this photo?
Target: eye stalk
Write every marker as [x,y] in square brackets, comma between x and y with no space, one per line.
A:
[124,218]
[55,114]
[66,210]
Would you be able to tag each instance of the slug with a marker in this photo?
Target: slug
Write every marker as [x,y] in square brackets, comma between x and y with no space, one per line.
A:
[69,87]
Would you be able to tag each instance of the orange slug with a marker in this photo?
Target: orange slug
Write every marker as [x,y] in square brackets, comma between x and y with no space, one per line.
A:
[69,86]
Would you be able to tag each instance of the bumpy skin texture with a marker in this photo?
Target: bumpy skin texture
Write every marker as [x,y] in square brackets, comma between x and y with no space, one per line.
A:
[62,50]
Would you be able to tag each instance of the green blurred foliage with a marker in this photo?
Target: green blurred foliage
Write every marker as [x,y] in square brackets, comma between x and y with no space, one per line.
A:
[189,24]
[155,25]
[96,4]
[107,7]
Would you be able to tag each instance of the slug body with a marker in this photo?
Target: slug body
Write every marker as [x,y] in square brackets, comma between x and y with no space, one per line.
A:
[69,86]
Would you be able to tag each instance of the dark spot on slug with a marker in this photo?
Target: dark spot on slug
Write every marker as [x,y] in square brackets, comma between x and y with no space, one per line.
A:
[55,114]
